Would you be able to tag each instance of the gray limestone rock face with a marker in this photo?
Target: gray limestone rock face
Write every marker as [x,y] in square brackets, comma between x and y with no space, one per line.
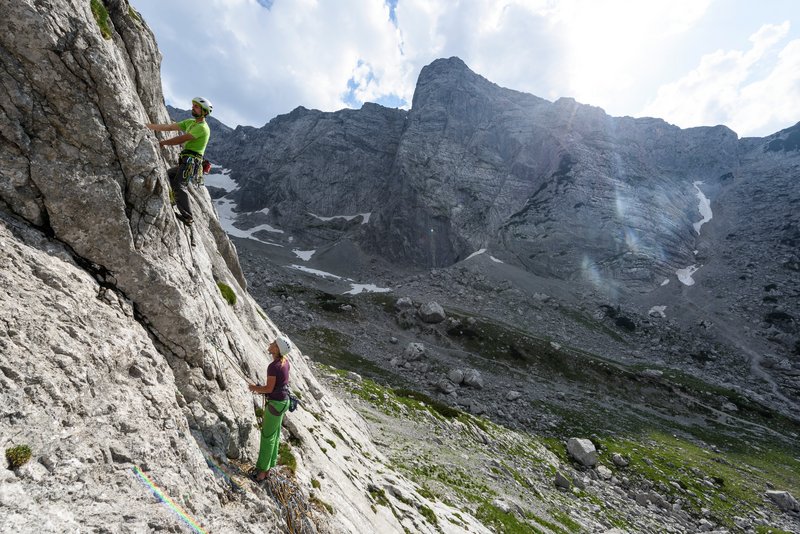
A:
[445,386]
[95,400]
[582,450]
[404,303]
[473,378]
[414,351]
[562,481]
[456,376]
[604,472]
[120,359]
[473,165]
[784,500]
[432,312]
[619,460]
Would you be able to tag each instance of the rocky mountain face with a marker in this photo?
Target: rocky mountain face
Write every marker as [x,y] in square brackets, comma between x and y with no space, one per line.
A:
[473,165]
[123,365]
[686,236]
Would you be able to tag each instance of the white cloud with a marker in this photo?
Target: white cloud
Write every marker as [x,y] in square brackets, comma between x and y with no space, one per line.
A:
[256,59]
[754,91]
[255,63]
[609,42]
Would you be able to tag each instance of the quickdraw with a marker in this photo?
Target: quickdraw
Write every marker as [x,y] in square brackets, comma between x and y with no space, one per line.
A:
[192,165]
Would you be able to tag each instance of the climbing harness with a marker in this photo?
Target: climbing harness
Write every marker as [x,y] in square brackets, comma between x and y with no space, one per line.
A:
[192,164]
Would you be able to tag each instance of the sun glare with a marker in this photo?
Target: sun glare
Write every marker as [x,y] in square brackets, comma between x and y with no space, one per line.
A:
[605,41]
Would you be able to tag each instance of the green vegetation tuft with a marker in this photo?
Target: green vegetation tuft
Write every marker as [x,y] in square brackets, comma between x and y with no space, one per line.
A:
[332,303]
[101,17]
[385,300]
[441,408]
[338,433]
[726,483]
[319,503]
[426,493]
[483,424]
[18,456]
[315,483]
[551,527]
[498,342]
[132,13]
[591,324]
[428,514]
[500,521]
[566,520]
[286,458]
[227,293]
[763,529]
[379,496]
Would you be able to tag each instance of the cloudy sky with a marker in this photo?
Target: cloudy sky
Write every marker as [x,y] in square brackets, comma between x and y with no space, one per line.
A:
[690,62]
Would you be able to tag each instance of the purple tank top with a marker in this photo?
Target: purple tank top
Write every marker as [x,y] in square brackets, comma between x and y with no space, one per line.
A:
[281,373]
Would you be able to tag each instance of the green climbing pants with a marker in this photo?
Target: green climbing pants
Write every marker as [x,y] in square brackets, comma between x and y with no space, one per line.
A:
[271,435]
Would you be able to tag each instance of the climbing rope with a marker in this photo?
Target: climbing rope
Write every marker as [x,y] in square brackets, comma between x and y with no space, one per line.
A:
[234,364]
[243,376]
[294,506]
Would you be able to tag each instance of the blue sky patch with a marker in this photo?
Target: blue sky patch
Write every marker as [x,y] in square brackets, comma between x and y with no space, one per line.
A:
[392,101]
[392,10]
[349,97]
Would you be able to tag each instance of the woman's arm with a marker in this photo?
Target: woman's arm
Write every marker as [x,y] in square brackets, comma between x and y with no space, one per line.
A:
[264,389]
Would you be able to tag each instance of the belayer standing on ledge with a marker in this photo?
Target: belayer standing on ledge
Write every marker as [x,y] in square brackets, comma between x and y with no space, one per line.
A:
[277,391]
[190,161]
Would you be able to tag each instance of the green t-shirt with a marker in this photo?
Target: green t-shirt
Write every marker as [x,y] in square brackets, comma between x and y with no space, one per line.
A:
[201,133]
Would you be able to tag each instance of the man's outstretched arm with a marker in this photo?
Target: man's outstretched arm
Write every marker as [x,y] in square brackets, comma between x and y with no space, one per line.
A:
[176,140]
[164,127]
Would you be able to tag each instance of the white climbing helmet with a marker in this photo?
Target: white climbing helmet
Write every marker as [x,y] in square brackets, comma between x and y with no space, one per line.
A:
[284,345]
[203,103]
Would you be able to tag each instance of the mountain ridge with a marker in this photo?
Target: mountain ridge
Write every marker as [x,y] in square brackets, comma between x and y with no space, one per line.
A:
[606,208]
[125,356]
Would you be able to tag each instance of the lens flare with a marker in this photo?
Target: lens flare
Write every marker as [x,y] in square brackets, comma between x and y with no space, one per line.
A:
[631,239]
[163,497]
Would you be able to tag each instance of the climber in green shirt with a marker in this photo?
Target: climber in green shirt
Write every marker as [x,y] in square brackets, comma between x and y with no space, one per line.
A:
[190,162]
